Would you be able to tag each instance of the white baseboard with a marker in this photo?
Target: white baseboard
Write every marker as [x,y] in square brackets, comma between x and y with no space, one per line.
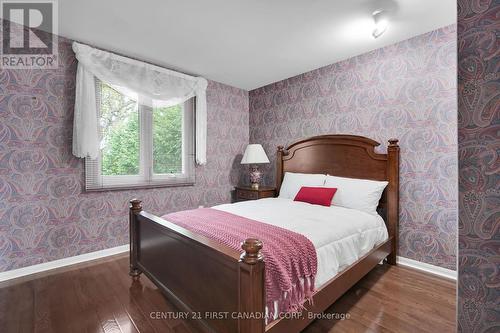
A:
[16,273]
[20,272]
[428,268]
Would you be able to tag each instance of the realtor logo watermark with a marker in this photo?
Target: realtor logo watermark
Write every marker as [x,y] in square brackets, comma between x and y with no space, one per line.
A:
[29,34]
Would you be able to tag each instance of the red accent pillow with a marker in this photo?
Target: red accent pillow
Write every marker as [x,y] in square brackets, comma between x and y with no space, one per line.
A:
[316,195]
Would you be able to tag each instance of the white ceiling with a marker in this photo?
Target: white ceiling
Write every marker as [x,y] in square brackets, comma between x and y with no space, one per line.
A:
[246,43]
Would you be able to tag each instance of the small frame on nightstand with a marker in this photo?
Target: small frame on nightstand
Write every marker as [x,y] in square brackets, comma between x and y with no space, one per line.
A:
[247,193]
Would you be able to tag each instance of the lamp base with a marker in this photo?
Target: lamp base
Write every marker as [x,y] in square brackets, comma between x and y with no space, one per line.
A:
[255,177]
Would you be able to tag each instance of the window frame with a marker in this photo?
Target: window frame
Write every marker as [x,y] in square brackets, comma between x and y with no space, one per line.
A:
[95,181]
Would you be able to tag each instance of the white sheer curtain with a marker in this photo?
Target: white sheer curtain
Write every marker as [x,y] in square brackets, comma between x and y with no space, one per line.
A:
[155,86]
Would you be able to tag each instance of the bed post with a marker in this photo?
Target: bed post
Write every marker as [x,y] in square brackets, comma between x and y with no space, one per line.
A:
[279,167]
[135,208]
[251,287]
[393,197]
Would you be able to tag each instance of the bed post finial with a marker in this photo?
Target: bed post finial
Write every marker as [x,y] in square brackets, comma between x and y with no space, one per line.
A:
[135,208]
[136,205]
[252,254]
[393,143]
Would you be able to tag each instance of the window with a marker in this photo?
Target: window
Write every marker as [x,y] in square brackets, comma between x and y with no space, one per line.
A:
[140,145]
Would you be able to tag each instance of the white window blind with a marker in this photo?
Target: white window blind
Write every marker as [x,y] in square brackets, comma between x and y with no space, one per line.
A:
[140,145]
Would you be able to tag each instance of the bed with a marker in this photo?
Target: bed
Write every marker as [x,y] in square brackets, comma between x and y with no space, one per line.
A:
[217,284]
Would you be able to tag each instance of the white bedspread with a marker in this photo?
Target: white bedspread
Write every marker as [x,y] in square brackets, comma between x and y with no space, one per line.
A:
[340,235]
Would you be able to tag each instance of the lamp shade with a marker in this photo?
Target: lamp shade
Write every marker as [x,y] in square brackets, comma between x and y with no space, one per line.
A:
[254,154]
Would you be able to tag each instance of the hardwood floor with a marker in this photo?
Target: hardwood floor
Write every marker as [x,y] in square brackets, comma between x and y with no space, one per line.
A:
[100,297]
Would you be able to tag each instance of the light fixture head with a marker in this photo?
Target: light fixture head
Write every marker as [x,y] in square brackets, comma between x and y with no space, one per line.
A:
[381,23]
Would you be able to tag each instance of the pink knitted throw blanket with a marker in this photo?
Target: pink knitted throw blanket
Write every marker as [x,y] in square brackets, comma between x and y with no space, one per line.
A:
[290,258]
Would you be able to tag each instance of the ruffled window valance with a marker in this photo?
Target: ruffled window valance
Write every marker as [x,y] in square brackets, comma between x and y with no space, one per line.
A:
[153,85]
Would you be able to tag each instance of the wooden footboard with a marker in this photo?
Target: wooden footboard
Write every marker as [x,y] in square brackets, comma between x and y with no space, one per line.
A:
[209,281]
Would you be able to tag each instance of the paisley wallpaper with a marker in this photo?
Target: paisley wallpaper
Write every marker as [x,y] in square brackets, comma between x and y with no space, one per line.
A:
[44,213]
[406,91]
[479,166]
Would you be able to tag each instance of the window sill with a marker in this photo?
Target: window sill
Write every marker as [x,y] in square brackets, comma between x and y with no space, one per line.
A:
[138,186]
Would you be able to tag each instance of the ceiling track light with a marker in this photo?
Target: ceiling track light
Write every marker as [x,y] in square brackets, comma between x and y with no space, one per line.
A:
[381,23]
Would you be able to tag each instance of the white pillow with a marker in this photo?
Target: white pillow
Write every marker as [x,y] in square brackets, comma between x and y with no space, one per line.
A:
[292,182]
[360,194]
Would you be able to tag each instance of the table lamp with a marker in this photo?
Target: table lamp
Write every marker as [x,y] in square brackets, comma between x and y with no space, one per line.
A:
[254,155]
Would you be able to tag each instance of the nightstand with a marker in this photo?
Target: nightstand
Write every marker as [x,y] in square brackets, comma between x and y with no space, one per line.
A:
[247,193]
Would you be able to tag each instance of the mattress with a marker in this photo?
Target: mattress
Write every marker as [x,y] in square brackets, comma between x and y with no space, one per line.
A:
[340,235]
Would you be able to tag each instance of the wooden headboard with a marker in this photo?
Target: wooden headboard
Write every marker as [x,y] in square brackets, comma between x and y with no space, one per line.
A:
[348,156]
